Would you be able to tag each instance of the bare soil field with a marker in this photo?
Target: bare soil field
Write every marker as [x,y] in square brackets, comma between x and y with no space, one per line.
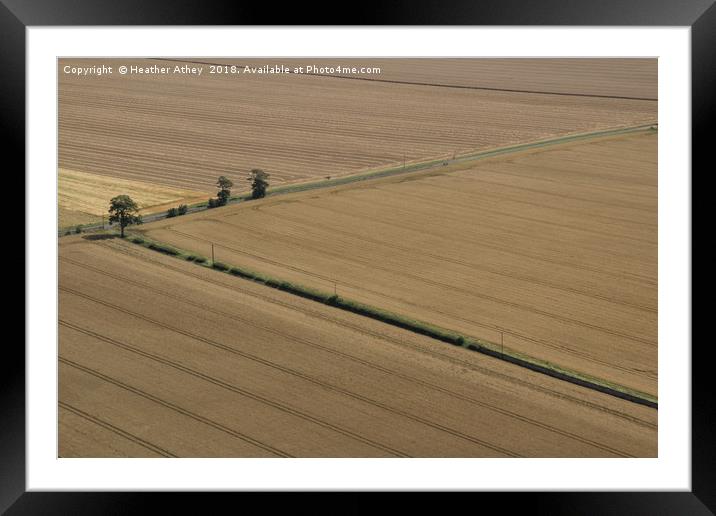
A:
[83,198]
[553,251]
[184,131]
[160,358]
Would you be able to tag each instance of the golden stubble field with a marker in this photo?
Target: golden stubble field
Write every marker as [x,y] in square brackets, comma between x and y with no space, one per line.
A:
[554,251]
[182,132]
[161,358]
[84,198]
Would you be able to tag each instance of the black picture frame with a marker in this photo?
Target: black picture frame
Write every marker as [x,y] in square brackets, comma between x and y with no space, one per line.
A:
[17,15]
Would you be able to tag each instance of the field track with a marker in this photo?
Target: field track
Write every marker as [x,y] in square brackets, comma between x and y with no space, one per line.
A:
[508,200]
[182,132]
[561,264]
[229,368]
[150,213]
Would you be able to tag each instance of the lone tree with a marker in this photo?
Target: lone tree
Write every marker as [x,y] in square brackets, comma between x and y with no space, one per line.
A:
[224,193]
[259,183]
[123,210]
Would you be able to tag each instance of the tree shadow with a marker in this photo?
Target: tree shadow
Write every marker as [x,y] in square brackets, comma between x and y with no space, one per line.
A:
[100,237]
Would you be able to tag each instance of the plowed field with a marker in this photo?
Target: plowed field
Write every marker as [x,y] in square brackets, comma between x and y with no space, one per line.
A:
[161,358]
[552,251]
[184,131]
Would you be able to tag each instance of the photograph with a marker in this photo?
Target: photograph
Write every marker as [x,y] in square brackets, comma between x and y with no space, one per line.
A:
[357,257]
[425,250]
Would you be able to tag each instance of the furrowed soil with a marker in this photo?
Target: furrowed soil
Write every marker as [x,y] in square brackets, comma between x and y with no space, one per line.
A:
[159,357]
[551,251]
[184,131]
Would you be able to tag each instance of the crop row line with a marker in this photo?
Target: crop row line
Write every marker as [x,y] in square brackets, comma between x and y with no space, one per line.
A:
[353,358]
[115,430]
[429,330]
[301,222]
[142,257]
[165,403]
[435,282]
[237,390]
[297,374]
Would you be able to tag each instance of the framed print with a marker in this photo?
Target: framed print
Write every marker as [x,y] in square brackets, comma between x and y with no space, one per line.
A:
[447,250]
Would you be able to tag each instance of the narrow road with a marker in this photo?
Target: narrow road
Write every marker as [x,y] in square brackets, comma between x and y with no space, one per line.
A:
[413,167]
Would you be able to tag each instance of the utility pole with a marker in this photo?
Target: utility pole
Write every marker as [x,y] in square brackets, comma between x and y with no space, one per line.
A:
[335,288]
[502,343]
[212,253]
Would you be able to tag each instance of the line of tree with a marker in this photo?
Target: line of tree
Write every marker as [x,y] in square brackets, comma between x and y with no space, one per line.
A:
[125,212]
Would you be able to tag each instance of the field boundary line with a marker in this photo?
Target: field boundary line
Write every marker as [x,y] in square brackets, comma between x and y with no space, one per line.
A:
[300,222]
[287,370]
[478,294]
[431,84]
[367,363]
[432,352]
[431,163]
[377,173]
[420,327]
[489,326]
